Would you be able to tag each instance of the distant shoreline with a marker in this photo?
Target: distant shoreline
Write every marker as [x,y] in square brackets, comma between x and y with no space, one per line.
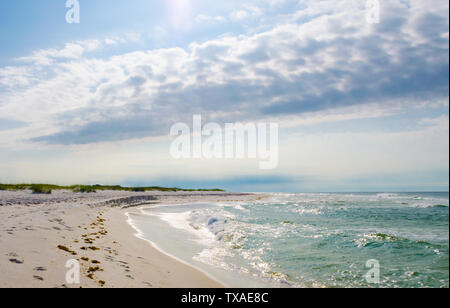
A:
[48,188]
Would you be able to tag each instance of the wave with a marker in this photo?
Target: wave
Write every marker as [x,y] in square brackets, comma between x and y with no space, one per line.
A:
[387,237]
[216,226]
[302,211]
[377,239]
[430,206]
[389,195]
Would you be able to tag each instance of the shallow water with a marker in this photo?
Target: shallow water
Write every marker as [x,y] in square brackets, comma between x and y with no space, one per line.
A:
[309,240]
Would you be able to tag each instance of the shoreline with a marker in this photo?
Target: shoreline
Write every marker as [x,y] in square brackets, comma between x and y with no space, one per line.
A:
[140,236]
[41,233]
[148,230]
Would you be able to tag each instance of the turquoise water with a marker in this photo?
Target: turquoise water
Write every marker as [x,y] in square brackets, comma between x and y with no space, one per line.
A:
[309,240]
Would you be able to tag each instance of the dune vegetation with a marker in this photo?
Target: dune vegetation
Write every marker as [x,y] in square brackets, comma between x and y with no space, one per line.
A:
[48,188]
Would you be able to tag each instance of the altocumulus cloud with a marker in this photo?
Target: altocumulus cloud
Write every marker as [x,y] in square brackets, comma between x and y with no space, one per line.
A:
[321,57]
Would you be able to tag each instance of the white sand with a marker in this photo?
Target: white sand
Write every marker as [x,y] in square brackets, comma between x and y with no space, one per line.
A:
[33,226]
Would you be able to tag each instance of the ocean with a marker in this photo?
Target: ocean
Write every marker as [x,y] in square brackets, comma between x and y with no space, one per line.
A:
[309,239]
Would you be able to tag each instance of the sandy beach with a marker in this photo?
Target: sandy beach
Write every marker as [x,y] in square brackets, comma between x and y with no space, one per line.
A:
[40,233]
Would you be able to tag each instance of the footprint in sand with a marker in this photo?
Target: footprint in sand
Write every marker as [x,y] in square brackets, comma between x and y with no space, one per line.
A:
[17,261]
[14,258]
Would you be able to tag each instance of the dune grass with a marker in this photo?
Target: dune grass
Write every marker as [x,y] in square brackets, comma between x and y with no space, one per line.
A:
[84,189]
[41,189]
[48,188]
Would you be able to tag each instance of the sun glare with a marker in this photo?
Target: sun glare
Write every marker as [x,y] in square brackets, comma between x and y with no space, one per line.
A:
[179,13]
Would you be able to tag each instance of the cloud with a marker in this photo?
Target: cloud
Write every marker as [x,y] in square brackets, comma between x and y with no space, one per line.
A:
[248,11]
[321,57]
[202,18]
[70,51]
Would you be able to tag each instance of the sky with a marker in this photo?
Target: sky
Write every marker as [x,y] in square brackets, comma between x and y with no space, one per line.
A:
[361,106]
